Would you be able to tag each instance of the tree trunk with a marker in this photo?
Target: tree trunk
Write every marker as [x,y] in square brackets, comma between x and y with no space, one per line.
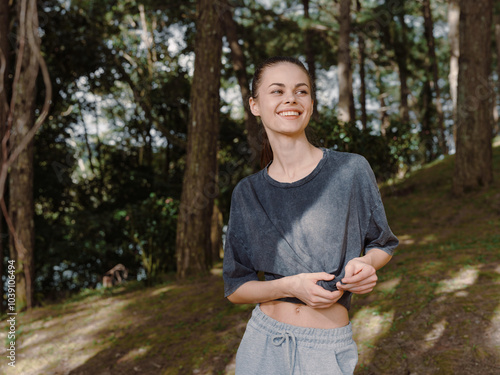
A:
[346,102]
[362,73]
[429,35]
[199,186]
[473,160]
[216,234]
[401,52]
[453,36]
[21,206]
[240,68]
[426,135]
[310,59]
[4,99]
[496,127]
[385,121]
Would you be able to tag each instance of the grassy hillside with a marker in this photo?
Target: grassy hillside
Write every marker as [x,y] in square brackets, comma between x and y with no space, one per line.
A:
[435,310]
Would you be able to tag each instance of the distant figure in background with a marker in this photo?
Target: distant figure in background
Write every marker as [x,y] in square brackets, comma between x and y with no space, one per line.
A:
[114,276]
[313,222]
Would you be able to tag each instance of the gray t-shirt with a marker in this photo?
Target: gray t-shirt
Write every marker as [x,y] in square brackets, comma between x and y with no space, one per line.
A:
[315,224]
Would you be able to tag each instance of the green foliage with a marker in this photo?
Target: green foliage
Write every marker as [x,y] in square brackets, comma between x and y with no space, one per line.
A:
[149,229]
[386,154]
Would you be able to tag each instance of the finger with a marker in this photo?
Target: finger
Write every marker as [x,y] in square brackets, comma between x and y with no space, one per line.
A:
[364,287]
[322,301]
[364,273]
[349,270]
[323,276]
[327,295]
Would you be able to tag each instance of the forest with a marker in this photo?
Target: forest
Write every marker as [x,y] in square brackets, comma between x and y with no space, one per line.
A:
[125,124]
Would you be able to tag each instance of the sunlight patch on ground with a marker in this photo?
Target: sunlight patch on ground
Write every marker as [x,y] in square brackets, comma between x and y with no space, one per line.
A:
[134,354]
[165,289]
[406,239]
[430,238]
[493,334]
[434,334]
[388,286]
[368,326]
[80,333]
[463,279]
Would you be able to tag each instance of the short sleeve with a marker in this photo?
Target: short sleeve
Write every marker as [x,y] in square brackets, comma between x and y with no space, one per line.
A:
[237,263]
[379,234]
[237,268]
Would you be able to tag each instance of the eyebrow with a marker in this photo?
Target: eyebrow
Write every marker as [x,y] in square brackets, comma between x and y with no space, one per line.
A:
[283,85]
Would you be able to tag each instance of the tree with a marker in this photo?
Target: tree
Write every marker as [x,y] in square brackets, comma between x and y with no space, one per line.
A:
[346,101]
[429,36]
[362,72]
[20,131]
[4,106]
[310,53]
[496,20]
[473,161]
[199,188]
[240,68]
[453,36]
[401,53]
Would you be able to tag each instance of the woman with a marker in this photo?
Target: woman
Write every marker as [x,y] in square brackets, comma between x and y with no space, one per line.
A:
[313,222]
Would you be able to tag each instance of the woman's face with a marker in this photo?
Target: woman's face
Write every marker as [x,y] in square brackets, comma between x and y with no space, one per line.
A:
[284,102]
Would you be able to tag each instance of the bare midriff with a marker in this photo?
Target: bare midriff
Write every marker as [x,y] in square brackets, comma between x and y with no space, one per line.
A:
[334,316]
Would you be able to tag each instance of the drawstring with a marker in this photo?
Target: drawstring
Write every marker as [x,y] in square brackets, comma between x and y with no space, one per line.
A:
[287,337]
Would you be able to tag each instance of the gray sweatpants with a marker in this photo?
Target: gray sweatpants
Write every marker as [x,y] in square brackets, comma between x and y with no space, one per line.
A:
[270,347]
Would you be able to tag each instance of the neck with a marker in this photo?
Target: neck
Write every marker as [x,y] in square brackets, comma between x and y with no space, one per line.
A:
[293,158]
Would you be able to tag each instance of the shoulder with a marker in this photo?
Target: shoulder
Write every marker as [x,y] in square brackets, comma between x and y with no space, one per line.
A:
[247,185]
[348,161]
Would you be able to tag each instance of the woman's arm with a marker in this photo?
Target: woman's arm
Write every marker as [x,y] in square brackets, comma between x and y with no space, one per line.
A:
[302,286]
[361,273]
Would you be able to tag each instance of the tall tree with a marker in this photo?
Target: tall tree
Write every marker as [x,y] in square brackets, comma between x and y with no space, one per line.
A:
[401,52]
[362,72]
[4,106]
[473,161]
[240,68]
[496,18]
[453,37]
[20,131]
[429,36]
[193,244]
[21,206]
[309,50]
[346,100]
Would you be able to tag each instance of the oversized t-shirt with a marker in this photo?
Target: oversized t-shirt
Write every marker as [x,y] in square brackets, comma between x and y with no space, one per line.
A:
[315,224]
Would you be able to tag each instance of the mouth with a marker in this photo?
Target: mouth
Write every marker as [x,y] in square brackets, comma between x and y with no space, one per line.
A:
[289,113]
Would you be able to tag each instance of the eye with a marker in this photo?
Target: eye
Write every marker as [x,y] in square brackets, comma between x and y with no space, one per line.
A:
[302,92]
[277,91]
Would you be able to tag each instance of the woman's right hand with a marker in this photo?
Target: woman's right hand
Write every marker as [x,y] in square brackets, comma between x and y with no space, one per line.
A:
[304,286]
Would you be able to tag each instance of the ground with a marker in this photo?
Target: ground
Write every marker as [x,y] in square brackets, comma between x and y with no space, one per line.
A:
[435,309]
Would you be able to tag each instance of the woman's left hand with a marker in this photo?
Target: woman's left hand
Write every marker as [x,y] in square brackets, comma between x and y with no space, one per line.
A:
[360,277]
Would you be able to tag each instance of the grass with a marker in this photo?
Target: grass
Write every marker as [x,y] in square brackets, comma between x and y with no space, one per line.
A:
[435,309]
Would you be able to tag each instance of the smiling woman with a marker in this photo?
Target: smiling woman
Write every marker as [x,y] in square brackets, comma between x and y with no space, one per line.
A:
[313,221]
[281,87]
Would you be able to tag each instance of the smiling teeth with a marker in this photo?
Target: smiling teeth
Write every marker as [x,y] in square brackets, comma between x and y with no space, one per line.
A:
[289,113]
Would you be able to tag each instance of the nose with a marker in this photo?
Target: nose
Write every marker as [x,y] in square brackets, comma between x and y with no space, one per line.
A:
[289,98]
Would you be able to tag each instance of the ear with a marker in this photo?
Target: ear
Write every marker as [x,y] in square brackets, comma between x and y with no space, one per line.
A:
[254,107]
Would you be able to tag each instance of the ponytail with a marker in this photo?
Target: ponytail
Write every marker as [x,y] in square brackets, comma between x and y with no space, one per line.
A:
[266,154]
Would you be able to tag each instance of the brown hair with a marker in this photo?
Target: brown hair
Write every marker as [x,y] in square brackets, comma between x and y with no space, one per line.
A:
[266,152]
